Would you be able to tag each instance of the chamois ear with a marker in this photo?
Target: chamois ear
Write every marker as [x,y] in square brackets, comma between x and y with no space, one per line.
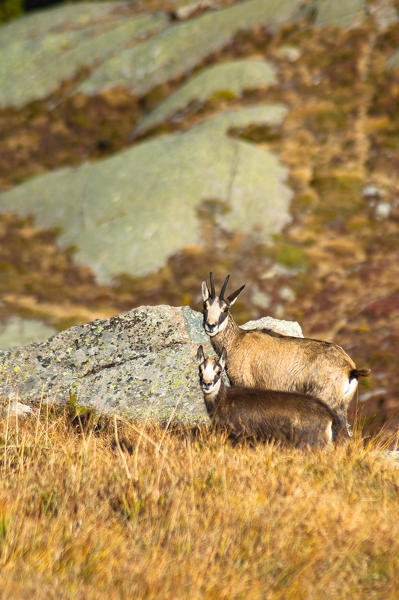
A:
[205,291]
[233,297]
[200,354]
[222,359]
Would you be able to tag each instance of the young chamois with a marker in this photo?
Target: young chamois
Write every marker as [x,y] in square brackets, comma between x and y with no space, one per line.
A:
[288,417]
[262,358]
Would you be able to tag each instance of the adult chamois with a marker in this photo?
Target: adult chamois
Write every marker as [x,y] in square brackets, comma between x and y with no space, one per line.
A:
[262,358]
[290,418]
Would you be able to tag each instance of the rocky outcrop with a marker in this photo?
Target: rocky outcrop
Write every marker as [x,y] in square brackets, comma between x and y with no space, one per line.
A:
[141,363]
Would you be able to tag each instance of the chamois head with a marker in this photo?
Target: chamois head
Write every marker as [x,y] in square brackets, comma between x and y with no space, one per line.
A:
[216,308]
[210,371]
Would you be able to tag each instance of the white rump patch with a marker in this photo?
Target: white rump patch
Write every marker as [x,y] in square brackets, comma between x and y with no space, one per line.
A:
[350,387]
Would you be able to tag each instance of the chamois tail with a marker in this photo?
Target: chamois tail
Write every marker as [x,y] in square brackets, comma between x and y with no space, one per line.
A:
[356,373]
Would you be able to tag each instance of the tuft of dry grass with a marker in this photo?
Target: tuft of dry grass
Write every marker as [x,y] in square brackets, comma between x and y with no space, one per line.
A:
[115,509]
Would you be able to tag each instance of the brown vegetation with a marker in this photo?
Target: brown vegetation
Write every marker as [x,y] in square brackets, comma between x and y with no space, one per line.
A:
[86,512]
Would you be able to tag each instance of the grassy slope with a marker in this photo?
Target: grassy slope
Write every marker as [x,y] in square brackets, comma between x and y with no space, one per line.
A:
[149,514]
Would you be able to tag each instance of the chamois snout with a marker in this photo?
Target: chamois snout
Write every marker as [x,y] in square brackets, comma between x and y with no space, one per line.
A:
[210,328]
[216,308]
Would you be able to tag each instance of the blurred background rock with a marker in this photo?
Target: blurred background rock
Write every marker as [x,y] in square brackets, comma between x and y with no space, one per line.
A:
[144,143]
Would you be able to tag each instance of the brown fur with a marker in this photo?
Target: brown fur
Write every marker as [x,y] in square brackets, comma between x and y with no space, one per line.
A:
[289,418]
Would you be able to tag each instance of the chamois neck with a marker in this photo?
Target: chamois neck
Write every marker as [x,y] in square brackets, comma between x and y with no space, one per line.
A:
[228,337]
[213,399]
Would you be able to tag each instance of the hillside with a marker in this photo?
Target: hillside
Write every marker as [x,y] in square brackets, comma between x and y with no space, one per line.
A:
[142,146]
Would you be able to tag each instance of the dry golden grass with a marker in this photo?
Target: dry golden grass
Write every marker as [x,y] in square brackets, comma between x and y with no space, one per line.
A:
[138,512]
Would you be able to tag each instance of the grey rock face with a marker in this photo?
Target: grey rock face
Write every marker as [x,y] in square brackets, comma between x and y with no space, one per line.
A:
[141,363]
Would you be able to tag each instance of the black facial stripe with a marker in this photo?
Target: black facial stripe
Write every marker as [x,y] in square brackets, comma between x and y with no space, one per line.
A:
[223,316]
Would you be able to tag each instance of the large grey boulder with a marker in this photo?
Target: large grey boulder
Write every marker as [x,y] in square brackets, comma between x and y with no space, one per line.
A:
[129,213]
[140,364]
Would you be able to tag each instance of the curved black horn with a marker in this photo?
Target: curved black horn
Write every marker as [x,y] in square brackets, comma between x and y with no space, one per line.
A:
[234,295]
[213,293]
[222,291]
